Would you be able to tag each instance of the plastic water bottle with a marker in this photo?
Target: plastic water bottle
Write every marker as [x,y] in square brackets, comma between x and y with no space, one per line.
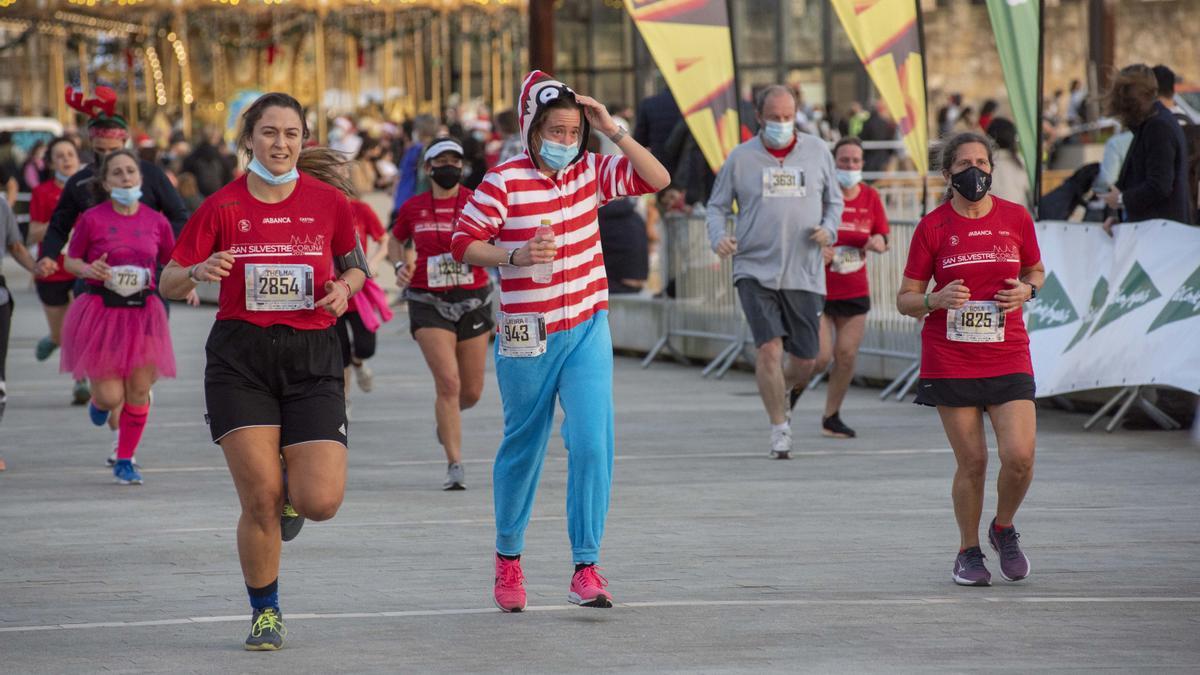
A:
[544,272]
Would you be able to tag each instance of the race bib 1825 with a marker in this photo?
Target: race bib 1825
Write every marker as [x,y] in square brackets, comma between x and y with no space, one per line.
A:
[978,321]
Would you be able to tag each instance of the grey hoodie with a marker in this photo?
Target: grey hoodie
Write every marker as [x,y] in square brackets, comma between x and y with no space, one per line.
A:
[773,233]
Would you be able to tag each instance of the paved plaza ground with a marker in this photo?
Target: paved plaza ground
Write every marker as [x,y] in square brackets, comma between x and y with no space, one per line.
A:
[720,559]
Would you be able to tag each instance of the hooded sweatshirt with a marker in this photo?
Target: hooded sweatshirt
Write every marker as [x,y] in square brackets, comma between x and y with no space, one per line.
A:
[513,200]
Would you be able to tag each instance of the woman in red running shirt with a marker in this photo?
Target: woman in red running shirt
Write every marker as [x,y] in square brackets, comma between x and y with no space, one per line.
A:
[55,290]
[449,303]
[281,244]
[983,257]
[864,228]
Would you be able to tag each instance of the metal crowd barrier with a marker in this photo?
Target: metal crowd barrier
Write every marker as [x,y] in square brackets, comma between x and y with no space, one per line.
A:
[705,305]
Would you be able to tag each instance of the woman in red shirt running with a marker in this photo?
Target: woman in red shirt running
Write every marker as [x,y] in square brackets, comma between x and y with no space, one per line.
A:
[864,228]
[55,291]
[449,303]
[982,254]
[282,246]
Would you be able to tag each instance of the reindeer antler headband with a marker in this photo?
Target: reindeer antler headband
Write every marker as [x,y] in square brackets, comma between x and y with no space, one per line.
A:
[103,122]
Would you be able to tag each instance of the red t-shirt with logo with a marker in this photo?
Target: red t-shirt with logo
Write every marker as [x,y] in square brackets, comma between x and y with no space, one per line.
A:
[862,217]
[310,227]
[42,202]
[366,223]
[983,252]
[429,223]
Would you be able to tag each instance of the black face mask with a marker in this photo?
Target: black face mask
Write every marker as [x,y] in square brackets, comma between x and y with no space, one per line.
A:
[446,176]
[972,183]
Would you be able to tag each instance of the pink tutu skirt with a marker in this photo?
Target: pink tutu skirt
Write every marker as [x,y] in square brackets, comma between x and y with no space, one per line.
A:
[101,342]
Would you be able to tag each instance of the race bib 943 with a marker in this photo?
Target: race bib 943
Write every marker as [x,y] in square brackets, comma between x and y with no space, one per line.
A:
[279,288]
[522,335]
[978,321]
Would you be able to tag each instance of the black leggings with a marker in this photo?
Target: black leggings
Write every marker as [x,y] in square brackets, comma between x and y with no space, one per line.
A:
[362,347]
[6,311]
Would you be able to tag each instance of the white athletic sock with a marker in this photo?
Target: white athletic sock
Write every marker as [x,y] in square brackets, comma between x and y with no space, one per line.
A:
[781,427]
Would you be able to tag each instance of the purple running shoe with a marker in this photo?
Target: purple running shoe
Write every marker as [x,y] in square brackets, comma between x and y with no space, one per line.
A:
[1014,566]
[969,569]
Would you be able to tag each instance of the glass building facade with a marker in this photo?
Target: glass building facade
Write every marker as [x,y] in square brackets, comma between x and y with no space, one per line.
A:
[599,51]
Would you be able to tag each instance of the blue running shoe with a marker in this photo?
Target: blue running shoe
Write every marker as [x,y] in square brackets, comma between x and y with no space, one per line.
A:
[99,417]
[45,347]
[125,474]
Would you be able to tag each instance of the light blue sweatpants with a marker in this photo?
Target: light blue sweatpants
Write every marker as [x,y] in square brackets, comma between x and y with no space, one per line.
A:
[576,368]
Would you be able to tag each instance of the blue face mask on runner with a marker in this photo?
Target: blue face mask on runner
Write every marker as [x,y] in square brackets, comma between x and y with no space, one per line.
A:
[556,155]
[261,171]
[778,134]
[127,196]
[61,177]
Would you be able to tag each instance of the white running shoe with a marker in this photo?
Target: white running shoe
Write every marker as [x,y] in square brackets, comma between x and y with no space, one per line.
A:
[781,443]
[364,377]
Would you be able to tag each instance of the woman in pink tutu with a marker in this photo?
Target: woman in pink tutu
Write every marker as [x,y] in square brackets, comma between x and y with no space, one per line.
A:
[116,334]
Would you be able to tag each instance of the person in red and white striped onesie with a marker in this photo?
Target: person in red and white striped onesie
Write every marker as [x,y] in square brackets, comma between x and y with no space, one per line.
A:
[534,216]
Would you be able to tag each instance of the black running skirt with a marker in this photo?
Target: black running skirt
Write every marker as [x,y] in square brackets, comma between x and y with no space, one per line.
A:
[976,392]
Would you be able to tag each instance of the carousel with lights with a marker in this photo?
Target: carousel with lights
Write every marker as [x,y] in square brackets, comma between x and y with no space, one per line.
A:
[201,61]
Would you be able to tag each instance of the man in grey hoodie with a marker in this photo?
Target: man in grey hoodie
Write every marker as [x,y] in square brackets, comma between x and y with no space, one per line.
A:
[789,206]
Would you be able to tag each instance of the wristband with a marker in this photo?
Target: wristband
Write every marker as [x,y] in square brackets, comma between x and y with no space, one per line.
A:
[192,274]
[349,290]
[619,136]
[927,306]
[397,265]
[511,255]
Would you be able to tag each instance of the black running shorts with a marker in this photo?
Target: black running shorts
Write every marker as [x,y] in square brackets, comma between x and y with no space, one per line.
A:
[275,377]
[977,392]
[55,293]
[472,324]
[792,315]
[848,306]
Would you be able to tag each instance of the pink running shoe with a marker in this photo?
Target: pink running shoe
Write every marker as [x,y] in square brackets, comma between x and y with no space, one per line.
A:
[587,588]
[510,585]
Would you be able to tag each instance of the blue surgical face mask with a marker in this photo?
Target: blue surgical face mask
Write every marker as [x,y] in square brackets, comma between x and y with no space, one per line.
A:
[261,171]
[61,177]
[848,179]
[778,134]
[126,196]
[556,155]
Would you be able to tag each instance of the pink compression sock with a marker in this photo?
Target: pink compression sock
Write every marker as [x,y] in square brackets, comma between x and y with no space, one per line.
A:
[133,423]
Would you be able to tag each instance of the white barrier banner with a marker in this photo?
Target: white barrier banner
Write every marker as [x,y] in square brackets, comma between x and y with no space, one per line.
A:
[1116,311]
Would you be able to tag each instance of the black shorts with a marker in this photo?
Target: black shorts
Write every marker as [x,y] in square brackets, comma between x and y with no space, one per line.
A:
[976,392]
[275,377]
[472,324]
[55,293]
[848,306]
[792,315]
